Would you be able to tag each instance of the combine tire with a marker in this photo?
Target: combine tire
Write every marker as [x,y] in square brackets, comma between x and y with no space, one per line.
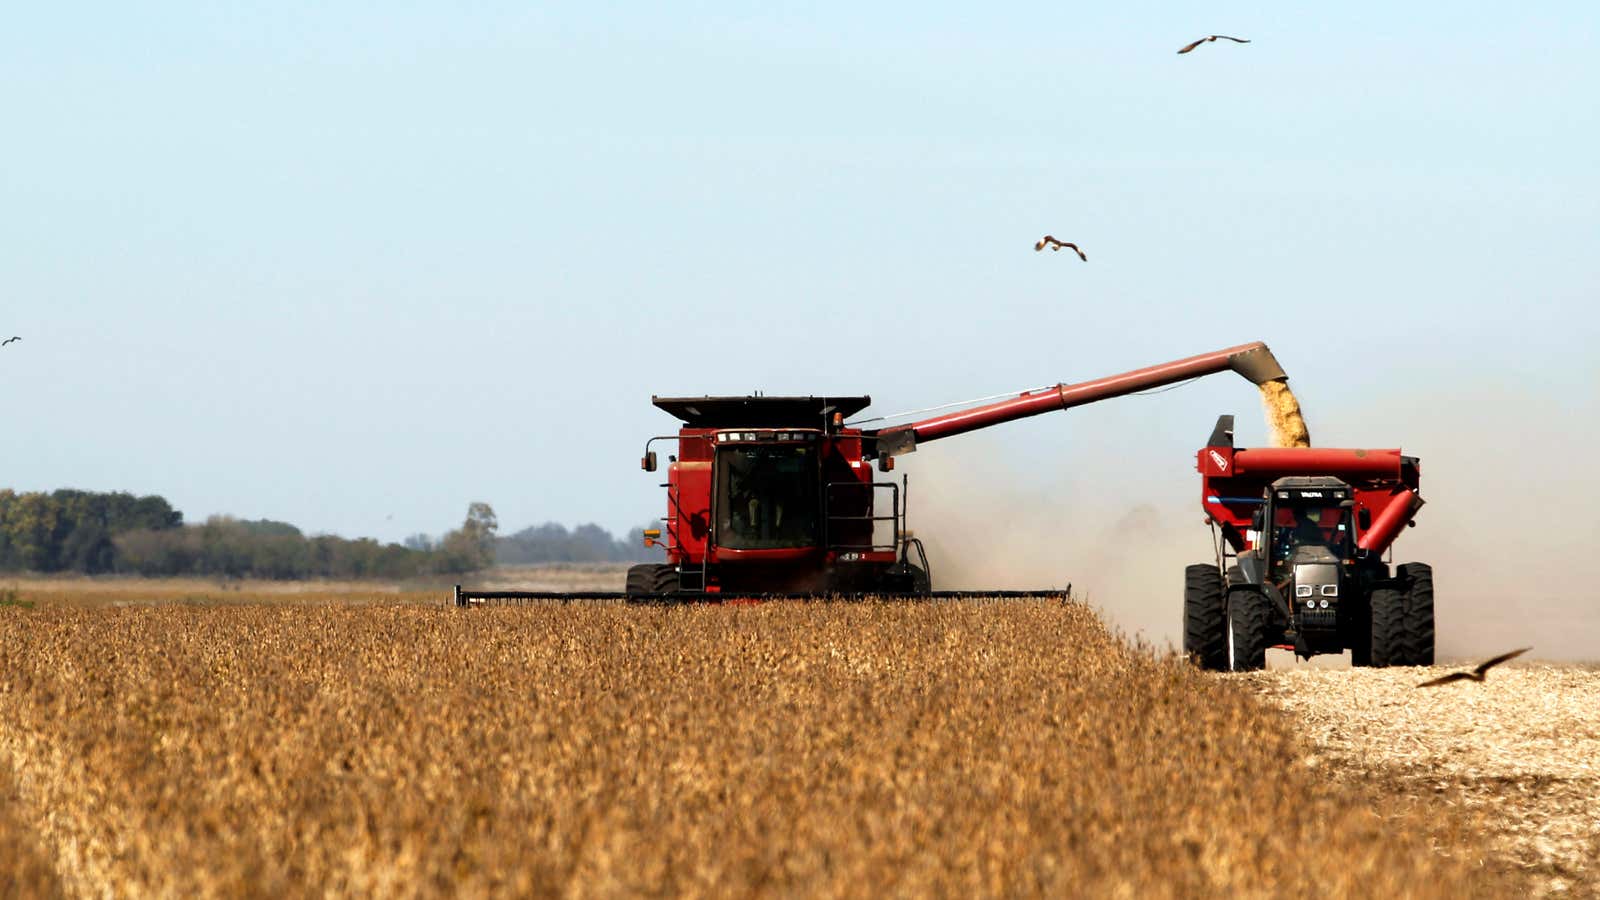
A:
[920,582]
[651,578]
[1205,622]
[1418,581]
[1251,614]
[1389,643]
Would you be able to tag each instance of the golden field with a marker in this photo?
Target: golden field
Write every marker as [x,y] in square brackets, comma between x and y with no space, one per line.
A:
[981,748]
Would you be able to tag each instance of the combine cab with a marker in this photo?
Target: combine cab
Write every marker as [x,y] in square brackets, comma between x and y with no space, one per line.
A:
[770,495]
[1301,536]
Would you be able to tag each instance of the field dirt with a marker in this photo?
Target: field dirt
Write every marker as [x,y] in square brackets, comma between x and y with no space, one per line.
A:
[952,749]
[1521,751]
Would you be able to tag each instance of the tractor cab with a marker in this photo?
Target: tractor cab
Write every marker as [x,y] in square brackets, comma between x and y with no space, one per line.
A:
[1306,528]
[1307,520]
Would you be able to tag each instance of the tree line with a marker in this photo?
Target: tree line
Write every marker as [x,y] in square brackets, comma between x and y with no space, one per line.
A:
[103,533]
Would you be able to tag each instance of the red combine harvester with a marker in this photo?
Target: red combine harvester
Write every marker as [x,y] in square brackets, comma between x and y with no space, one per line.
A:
[1300,537]
[776,495]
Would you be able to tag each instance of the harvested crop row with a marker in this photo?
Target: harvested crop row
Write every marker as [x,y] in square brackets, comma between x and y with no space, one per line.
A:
[866,749]
[1522,749]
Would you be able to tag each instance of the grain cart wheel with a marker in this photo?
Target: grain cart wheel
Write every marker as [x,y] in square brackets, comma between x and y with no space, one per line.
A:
[1251,615]
[1388,628]
[1205,622]
[1418,581]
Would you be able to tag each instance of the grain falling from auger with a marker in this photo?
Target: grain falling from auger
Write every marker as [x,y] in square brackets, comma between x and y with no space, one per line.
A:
[1283,414]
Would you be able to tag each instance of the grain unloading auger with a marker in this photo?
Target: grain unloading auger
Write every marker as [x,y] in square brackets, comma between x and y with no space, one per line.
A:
[1300,539]
[776,497]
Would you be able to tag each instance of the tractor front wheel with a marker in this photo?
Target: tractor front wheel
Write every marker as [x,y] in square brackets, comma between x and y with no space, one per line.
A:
[1251,615]
[1205,621]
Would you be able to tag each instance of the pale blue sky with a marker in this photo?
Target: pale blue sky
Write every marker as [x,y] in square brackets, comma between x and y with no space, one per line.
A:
[363,261]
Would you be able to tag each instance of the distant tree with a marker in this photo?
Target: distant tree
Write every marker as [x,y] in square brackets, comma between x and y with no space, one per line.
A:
[552,542]
[471,546]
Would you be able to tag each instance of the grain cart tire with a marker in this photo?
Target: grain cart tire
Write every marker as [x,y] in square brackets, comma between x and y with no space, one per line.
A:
[1250,614]
[1389,635]
[651,578]
[1418,581]
[1205,621]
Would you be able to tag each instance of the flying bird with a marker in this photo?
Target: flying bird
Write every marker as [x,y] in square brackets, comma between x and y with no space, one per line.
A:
[1207,40]
[1475,674]
[1057,245]
[9,340]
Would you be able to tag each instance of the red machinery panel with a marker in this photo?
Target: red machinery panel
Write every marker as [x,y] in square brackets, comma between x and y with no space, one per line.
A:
[1384,483]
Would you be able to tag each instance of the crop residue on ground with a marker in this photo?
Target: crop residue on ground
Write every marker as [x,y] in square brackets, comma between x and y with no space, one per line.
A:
[1521,751]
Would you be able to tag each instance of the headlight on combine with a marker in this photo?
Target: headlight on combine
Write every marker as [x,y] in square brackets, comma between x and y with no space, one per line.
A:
[1330,590]
[1303,590]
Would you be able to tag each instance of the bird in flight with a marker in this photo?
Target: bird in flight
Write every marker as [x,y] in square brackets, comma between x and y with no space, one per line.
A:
[1057,245]
[1475,674]
[1207,40]
[9,340]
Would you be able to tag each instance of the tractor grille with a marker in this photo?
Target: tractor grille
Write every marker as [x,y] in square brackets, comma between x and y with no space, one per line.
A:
[1319,618]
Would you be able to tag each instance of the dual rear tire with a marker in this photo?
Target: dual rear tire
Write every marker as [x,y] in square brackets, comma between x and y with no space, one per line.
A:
[1251,616]
[1205,618]
[1211,615]
[1402,618]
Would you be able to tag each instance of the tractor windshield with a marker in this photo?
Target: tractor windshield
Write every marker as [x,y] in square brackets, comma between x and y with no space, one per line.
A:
[1310,525]
[767,496]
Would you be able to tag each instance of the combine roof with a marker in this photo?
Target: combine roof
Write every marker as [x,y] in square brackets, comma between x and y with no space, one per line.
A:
[759,412]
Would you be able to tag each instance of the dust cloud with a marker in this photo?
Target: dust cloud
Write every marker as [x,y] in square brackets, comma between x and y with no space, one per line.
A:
[1284,420]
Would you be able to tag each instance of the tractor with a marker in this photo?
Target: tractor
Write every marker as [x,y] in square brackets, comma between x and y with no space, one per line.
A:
[1300,536]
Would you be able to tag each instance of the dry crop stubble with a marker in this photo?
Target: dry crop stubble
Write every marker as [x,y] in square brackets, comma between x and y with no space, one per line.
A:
[1522,750]
[833,749]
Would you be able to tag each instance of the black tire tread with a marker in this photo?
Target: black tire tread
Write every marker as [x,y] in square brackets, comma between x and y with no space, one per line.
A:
[1418,581]
[1250,614]
[651,578]
[1390,642]
[1205,620]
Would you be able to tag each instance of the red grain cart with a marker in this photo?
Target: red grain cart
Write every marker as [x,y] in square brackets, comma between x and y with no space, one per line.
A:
[1300,540]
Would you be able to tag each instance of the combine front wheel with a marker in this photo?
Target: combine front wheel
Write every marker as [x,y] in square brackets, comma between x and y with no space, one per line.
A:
[1205,622]
[651,578]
